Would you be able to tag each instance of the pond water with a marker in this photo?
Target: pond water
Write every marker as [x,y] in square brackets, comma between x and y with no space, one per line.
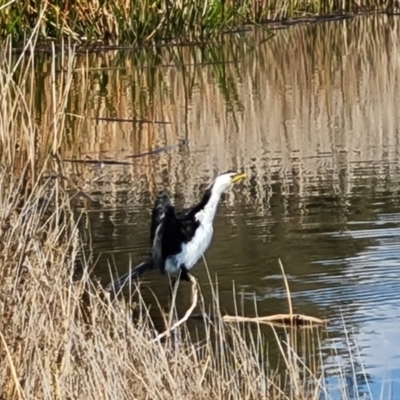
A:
[312,115]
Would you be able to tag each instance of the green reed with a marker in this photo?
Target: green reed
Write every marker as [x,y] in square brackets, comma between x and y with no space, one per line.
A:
[149,21]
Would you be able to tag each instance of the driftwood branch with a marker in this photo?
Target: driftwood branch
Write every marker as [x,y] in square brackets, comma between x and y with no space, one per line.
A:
[194,297]
[295,320]
[282,320]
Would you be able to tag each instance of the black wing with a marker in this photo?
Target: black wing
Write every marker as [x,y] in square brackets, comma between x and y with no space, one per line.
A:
[190,213]
[160,206]
[169,235]
[169,229]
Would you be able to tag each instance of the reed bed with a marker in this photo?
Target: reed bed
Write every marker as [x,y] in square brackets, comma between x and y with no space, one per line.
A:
[149,21]
[62,336]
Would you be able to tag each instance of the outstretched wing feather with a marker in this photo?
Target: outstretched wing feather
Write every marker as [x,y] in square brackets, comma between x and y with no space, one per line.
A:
[161,205]
[168,237]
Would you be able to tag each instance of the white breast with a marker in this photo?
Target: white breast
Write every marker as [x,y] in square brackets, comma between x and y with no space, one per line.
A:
[192,251]
[198,245]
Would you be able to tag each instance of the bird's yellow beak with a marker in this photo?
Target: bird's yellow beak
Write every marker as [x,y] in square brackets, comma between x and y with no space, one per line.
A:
[238,178]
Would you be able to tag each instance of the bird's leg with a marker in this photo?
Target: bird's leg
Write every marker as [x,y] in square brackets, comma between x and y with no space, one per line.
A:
[184,275]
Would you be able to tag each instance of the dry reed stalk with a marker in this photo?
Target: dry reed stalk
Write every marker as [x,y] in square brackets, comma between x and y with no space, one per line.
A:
[289,297]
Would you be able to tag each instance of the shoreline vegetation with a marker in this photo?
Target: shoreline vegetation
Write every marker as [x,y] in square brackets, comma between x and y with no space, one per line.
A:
[165,21]
[61,335]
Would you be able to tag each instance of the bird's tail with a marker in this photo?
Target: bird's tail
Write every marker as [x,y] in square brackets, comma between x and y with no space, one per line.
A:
[131,275]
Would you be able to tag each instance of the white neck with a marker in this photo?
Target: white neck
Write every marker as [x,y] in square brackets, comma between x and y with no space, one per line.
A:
[211,207]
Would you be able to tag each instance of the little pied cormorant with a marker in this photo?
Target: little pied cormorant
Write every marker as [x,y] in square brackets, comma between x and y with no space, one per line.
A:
[179,239]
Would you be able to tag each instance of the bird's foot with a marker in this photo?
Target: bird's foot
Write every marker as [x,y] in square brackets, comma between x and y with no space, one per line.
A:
[184,274]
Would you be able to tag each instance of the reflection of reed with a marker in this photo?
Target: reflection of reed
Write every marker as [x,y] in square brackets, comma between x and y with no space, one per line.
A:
[314,108]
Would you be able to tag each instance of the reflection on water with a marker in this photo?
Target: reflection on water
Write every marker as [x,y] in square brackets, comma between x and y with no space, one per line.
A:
[312,117]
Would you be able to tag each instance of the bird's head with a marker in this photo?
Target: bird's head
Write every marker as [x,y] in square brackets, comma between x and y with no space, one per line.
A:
[226,180]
